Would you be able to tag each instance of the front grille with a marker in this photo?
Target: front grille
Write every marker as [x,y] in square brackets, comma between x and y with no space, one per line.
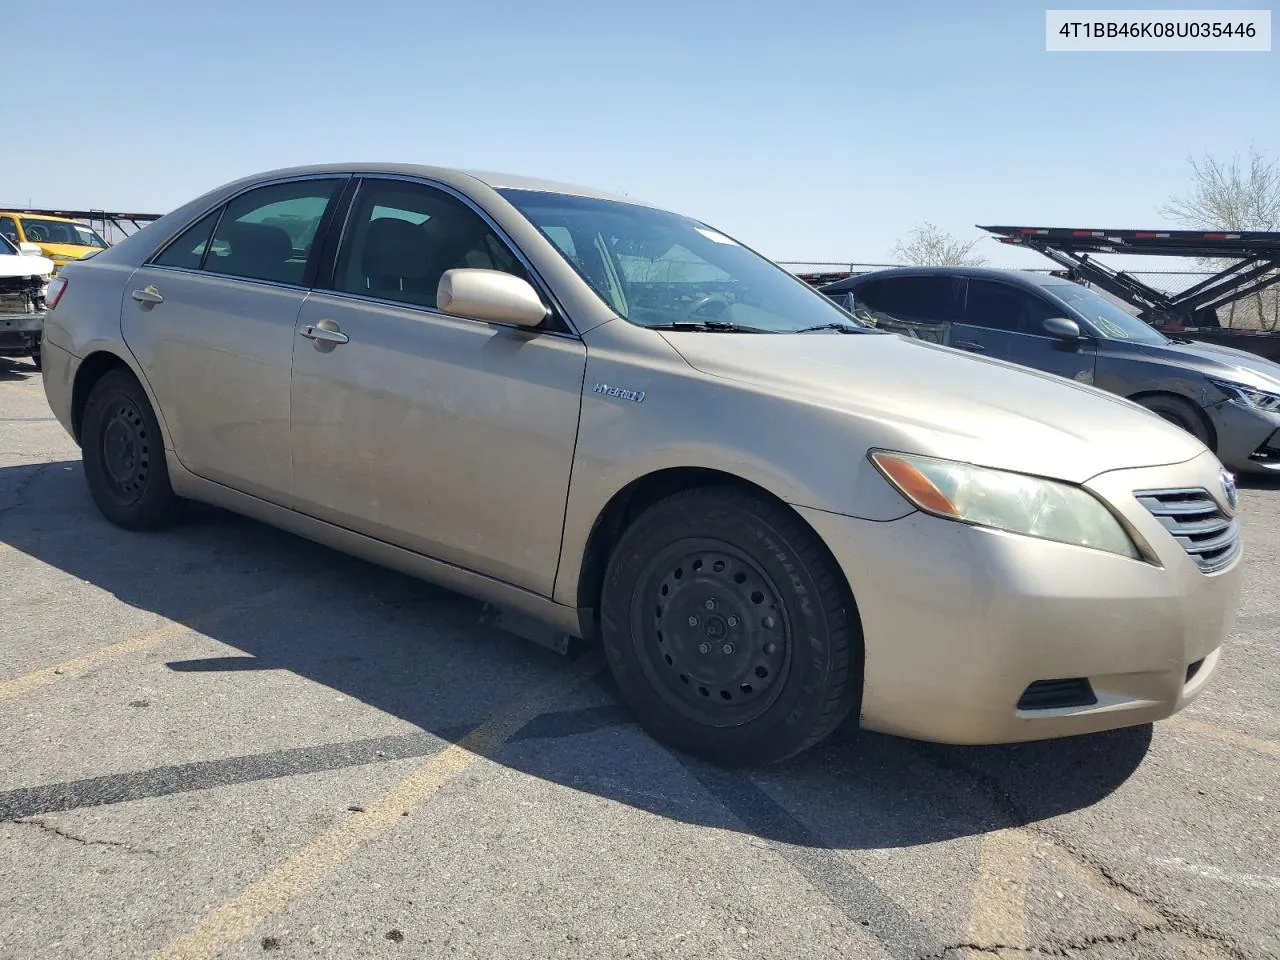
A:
[1056,694]
[1210,537]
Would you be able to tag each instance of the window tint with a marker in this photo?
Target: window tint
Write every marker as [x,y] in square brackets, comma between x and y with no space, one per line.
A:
[402,237]
[8,228]
[912,299]
[188,248]
[999,306]
[267,233]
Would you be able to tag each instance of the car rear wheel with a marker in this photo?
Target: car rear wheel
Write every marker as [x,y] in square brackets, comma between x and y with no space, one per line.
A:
[36,359]
[123,454]
[1180,413]
[729,629]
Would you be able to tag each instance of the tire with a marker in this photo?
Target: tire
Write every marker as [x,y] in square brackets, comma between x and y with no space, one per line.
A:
[124,463]
[729,629]
[37,359]
[1180,413]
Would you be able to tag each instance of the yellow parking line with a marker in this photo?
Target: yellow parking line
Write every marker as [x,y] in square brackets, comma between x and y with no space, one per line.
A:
[1235,738]
[79,666]
[998,903]
[235,919]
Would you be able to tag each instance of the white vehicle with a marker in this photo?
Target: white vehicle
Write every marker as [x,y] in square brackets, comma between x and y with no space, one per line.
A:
[24,285]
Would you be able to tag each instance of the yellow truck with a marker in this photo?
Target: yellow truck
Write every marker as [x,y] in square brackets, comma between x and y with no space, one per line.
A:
[60,239]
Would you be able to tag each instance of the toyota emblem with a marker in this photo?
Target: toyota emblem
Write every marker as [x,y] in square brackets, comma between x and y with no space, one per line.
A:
[1229,489]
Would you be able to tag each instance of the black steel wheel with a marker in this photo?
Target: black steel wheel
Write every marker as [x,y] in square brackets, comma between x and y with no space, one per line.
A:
[729,628]
[709,625]
[123,455]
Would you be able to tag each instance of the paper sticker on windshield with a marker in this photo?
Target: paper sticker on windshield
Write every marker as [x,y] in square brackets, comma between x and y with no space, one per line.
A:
[715,237]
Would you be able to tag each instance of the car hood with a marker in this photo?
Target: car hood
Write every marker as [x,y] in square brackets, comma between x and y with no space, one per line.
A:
[13,265]
[1225,363]
[929,399]
[67,251]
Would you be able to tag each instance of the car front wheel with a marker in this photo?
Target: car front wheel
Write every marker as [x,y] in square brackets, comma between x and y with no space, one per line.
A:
[123,454]
[1179,412]
[729,629]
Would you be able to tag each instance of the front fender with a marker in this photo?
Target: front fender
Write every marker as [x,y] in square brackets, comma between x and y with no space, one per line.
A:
[666,415]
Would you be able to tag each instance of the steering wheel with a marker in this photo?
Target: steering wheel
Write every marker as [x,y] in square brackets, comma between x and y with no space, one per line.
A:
[704,302]
[36,234]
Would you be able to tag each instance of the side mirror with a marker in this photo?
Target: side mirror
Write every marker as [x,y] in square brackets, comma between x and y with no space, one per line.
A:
[489,295]
[1062,328]
[30,249]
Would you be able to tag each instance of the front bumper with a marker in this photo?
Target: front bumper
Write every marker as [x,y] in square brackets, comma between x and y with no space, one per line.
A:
[959,622]
[1248,439]
[20,334]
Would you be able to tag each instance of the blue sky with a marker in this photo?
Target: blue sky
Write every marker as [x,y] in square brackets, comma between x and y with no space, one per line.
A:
[818,131]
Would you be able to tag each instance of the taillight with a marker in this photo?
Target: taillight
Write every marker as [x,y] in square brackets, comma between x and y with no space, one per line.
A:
[57,287]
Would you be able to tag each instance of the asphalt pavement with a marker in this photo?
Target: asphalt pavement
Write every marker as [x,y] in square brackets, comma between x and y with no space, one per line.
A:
[225,741]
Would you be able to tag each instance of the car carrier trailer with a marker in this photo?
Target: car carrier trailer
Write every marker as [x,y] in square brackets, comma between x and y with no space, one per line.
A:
[1254,266]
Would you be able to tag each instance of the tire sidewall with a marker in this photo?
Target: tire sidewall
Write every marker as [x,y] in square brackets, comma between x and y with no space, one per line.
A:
[786,724]
[157,503]
[1188,417]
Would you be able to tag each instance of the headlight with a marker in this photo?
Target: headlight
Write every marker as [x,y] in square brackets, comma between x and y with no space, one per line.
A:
[1249,396]
[1008,501]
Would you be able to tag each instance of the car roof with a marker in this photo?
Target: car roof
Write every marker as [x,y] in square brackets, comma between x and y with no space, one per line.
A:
[1022,278]
[450,175]
[37,216]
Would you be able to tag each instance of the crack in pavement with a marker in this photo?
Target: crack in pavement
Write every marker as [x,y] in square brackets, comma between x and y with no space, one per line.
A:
[87,841]
[1050,947]
[1173,921]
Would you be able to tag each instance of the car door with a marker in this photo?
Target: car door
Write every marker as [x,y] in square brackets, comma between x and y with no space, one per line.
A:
[921,306]
[1007,322]
[211,320]
[450,437]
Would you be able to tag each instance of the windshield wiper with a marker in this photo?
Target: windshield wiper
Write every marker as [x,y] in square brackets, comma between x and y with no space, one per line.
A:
[842,327]
[706,326]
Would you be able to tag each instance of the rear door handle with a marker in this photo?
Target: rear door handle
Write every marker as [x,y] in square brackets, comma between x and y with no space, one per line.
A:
[973,346]
[328,334]
[147,294]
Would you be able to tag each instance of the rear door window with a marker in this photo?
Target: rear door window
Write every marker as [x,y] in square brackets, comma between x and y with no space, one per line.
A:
[269,233]
[187,250]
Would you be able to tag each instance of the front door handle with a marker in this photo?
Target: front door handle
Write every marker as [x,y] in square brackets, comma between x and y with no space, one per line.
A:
[973,346]
[148,295]
[326,331]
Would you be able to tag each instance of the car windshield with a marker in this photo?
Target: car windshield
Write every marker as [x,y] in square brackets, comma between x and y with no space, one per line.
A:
[1110,320]
[657,269]
[60,231]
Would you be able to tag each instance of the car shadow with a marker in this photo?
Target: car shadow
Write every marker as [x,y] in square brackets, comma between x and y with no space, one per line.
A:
[1258,482]
[17,370]
[419,653]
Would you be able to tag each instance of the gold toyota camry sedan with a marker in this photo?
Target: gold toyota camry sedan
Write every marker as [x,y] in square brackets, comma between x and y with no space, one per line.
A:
[614,422]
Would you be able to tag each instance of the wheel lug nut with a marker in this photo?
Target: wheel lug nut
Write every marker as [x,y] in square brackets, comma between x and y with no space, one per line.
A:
[771,648]
[727,648]
[693,621]
[710,604]
[733,621]
[704,647]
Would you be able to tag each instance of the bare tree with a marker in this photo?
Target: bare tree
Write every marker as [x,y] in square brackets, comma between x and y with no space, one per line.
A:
[1230,195]
[1233,195]
[929,246]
